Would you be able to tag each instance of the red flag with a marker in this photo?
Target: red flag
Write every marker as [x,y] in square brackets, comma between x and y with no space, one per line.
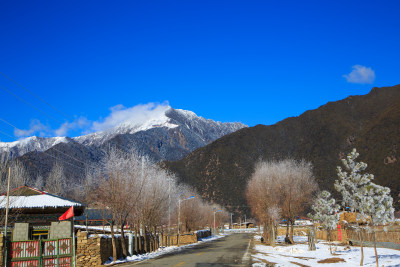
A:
[68,214]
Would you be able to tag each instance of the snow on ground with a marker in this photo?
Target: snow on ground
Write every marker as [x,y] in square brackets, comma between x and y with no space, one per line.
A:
[162,251]
[295,255]
[243,230]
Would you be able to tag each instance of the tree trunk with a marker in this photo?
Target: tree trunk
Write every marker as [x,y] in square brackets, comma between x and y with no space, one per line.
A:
[114,245]
[156,245]
[287,228]
[362,248]
[265,229]
[272,235]
[162,237]
[315,234]
[311,239]
[329,241]
[140,247]
[136,243]
[291,231]
[146,249]
[123,242]
[376,252]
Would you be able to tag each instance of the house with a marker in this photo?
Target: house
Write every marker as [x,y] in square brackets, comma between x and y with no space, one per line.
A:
[243,225]
[37,236]
[94,217]
[38,209]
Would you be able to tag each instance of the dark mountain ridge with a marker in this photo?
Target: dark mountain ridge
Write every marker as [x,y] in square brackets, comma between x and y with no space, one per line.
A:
[166,135]
[370,123]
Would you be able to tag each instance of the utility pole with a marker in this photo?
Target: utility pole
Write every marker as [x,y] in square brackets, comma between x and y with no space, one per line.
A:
[169,206]
[231,221]
[214,220]
[179,215]
[6,222]
[179,218]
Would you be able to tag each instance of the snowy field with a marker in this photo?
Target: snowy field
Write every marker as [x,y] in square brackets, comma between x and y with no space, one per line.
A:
[299,255]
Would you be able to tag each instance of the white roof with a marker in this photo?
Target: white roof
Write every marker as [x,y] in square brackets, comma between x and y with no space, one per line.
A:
[36,201]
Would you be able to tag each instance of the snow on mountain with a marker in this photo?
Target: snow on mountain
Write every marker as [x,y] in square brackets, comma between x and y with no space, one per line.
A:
[161,125]
[156,120]
[33,143]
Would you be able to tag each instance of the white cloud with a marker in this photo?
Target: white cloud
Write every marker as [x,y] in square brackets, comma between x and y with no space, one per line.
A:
[134,115]
[80,123]
[360,74]
[35,127]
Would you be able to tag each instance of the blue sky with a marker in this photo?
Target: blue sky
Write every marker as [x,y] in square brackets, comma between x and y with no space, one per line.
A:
[256,62]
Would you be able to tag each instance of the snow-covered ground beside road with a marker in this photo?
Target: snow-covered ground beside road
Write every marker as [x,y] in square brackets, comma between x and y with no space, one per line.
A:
[299,255]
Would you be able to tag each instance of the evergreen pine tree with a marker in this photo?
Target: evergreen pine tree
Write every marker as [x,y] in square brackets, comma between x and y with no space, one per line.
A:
[372,202]
[325,212]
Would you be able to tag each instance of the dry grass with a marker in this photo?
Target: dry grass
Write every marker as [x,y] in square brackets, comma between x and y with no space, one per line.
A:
[299,264]
[332,260]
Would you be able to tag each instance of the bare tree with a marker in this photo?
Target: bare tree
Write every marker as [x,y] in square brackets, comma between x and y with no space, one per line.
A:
[56,181]
[119,186]
[39,182]
[286,185]
[300,186]
[19,176]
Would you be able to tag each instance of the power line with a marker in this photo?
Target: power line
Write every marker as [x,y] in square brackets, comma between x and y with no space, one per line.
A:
[59,111]
[52,147]
[7,134]
[29,104]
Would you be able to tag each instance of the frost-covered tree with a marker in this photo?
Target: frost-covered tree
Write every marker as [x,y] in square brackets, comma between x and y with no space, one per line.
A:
[287,184]
[39,182]
[351,181]
[325,211]
[351,185]
[377,205]
[372,202]
[56,181]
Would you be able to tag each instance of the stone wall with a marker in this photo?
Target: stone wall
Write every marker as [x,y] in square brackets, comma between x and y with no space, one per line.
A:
[96,250]
[187,239]
[88,252]
[1,249]
[203,233]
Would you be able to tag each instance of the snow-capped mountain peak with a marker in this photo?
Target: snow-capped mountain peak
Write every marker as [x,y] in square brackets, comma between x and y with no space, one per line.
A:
[188,130]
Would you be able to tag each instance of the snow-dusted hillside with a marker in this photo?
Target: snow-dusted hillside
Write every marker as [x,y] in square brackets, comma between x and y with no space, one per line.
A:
[167,134]
[19,148]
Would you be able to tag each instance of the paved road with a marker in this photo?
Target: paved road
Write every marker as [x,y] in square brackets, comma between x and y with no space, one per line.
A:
[228,251]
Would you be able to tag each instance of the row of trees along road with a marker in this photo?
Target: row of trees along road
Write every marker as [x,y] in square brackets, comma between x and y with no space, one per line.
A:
[135,192]
[280,190]
[140,194]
